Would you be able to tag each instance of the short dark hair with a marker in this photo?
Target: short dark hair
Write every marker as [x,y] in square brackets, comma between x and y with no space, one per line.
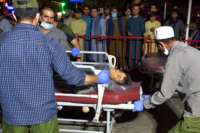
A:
[135,5]
[154,4]
[25,9]
[49,8]
[86,6]
[25,13]
[94,8]
[114,7]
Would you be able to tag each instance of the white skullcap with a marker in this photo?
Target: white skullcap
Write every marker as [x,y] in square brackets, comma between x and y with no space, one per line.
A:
[164,32]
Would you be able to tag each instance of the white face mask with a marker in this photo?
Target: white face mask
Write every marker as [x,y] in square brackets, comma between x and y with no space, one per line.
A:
[166,52]
[46,25]
[114,14]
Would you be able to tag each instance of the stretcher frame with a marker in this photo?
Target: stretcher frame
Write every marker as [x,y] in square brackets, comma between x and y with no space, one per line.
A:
[98,107]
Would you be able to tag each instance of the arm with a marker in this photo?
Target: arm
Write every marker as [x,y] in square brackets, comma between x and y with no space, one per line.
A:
[170,82]
[74,76]
[62,65]
[71,36]
[115,75]
[84,28]
[64,40]
[128,28]
[182,29]
[147,29]
[90,79]
[142,26]
[75,43]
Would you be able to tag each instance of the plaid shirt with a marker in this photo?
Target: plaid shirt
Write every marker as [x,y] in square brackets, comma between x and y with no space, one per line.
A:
[27,61]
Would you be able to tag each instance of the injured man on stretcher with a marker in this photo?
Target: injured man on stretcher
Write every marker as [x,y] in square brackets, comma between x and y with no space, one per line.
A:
[95,73]
[117,78]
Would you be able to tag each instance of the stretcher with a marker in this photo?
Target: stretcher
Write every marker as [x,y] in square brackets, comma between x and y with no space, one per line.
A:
[105,98]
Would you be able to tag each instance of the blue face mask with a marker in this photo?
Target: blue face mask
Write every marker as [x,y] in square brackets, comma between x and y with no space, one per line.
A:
[114,14]
[46,25]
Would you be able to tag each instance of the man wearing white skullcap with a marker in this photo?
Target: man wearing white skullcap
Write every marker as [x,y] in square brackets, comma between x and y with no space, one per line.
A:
[181,75]
[28,59]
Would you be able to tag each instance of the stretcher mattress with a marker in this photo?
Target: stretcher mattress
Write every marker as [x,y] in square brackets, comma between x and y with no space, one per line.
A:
[117,95]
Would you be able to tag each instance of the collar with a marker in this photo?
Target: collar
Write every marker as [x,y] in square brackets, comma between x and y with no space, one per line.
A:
[129,16]
[86,16]
[135,16]
[176,45]
[26,26]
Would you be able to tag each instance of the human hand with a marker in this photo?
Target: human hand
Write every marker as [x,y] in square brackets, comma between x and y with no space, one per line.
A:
[147,103]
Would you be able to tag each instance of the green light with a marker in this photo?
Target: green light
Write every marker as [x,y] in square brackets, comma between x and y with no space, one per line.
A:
[63,4]
[63,12]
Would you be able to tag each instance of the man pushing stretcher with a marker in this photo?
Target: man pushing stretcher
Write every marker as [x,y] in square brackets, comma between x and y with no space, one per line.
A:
[27,61]
[182,75]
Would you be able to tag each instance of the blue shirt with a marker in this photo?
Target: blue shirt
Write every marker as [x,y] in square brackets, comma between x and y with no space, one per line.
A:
[27,61]
[88,21]
[136,26]
[5,25]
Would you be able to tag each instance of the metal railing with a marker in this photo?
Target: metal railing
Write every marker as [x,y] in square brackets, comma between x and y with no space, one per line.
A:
[128,50]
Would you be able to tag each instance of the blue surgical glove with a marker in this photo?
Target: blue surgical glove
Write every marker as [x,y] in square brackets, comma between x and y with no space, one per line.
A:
[147,102]
[139,106]
[104,77]
[75,52]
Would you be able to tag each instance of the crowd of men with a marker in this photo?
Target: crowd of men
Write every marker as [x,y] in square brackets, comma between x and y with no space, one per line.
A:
[93,23]
[134,21]
[35,48]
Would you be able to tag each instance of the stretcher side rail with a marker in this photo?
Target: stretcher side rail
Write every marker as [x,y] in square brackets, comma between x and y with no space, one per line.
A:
[111,59]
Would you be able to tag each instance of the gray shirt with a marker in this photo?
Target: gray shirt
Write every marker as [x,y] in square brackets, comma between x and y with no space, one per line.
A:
[60,36]
[182,74]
